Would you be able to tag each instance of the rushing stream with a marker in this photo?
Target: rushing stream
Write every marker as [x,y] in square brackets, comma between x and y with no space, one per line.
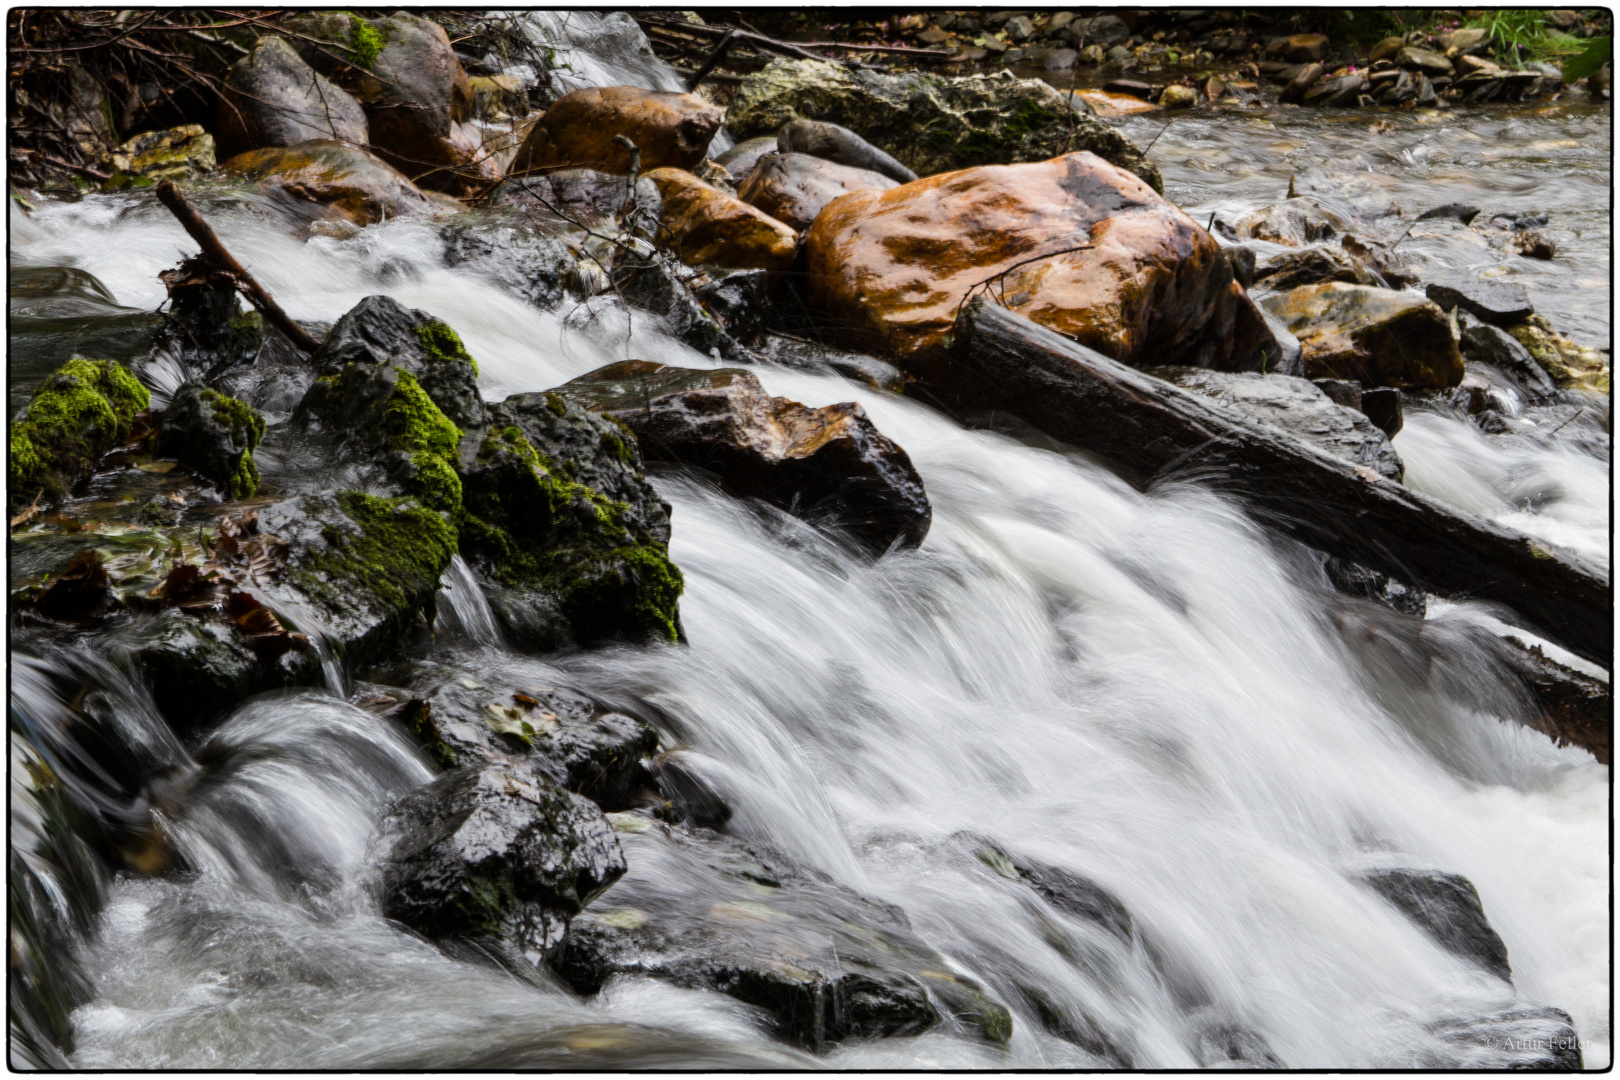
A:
[1146,688]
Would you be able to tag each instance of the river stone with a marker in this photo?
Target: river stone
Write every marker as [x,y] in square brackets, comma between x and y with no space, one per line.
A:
[1301,82]
[931,123]
[1379,337]
[1312,266]
[670,130]
[582,197]
[214,436]
[793,188]
[1297,407]
[1429,63]
[706,912]
[1350,195]
[1385,49]
[1534,1037]
[498,858]
[1493,346]
[1571,365]
[1448,908]
[892,268]
[1463,212]
[1294,223]
[323,178]
[1104,30]
[824,140]
[1500,303]
[1383,406]
[178,154]
[276,99]
[827,465]
[705,226]
[1176,96]
[527,262]
[197,669]
[740,159]
[1336,93]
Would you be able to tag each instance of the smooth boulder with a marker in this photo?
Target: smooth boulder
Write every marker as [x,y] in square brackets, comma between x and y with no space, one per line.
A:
[705,226]
[834,143]
[1379,337]
[829,465]
[323,178]
[739,161]
[1075,243]
[669,130]
[274,98]
[794,188]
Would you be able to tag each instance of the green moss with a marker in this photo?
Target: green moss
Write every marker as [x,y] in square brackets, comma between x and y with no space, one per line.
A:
[366,42]
[396,555]
[443,344]
[1027,119]
[77,414]
[411,422]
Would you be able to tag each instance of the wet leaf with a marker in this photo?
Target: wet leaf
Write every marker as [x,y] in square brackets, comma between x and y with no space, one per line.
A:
[157,466]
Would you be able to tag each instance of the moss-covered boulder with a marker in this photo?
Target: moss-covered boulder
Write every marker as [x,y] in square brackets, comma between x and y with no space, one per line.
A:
[214,436]
[1571,365]
[931,123]
[83,410]
[274,98]
[181,153]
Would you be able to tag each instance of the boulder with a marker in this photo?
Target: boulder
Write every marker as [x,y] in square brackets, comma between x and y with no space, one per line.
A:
[681,295]
[828,464]
[182,153]
[1377,336]
[794,187]
[740,159]
[931,123]
[892,268]
[1176,96]
[80,412]
[1572,366]
[826,965]
[529,261]
[1524,1038]
[582,197]
[323,178]
[1383,406]
[1500,303]
[1297,407]
[671,131]
[1483,343]
[1301,83]
[214,436]
[274,98]
[705,226]
[1447,907]
[824,140]
[495,859]
[1336,93]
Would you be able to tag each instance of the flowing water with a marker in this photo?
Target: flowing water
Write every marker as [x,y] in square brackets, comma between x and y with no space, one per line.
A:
[1143,688]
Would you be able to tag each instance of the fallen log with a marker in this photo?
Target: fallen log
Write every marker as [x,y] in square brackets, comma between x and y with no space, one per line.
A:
[1572,708]
[1003,362]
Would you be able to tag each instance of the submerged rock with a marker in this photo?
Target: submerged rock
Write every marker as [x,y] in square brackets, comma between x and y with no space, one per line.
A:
[77,414]
[793,188]
[495,858]
[274,98]
[1535,1037]
[829,464]
[930,123]
[323,178]
[669,130]
[824,963]
[1074,243]
[1294,223]
[1447,907]
[214,436]
[707,227]
[1377,336]
[839,144]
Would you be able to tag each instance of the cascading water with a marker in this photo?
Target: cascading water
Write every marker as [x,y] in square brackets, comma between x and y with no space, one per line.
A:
[1145,688]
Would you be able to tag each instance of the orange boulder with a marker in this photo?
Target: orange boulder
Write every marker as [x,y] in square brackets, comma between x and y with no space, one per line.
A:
[794,187]
[671,130]
[707,227]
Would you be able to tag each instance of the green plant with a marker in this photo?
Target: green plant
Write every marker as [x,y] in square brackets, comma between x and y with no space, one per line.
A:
[1593,57]
[1521,33]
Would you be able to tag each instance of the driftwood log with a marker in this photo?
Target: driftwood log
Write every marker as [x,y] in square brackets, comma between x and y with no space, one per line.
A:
[1154,430]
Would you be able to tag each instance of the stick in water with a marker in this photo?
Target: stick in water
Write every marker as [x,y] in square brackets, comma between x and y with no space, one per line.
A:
[216,256]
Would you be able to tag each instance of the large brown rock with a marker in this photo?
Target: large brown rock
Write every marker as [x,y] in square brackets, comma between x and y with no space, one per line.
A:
[274,98]
[1075,243]
[794,187]
[707,227]
[829,465]
[670,130]
[1379,336]
[323,178]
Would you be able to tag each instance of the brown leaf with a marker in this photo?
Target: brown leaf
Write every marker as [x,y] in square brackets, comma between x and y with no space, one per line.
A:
[30,513]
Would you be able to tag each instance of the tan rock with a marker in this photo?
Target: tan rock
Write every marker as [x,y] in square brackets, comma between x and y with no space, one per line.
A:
[794,187]
[707,227]
[1385,49]
[323,178]
[1176,96]
[175,154]
[1571,365]
[1305,48]
[1380,336]
[671,130]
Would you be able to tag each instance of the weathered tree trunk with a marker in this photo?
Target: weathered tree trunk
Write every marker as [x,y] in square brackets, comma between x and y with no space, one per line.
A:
[1575,709]
[1004,362]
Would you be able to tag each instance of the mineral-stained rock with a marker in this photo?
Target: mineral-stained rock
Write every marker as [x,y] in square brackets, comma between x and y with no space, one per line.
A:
[1377,336]
[182,153]
[77,414]
[1571,365]
[793,188]
[1447,907]
[1074,243]
[826,964]
[931,123]
[323,178]
[1313,266]
[829,464]
[495,857]
[834,143]
[214,436]
[670,131]
[274,98]
[706,226]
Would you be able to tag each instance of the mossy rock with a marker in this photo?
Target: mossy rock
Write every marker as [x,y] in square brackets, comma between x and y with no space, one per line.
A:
[80,412]
[214,436]
[1572,366]
[931,123]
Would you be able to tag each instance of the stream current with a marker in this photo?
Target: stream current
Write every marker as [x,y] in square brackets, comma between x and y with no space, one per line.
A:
[1145,688]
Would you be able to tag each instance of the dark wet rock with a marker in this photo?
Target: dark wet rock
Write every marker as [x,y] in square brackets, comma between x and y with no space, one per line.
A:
[1448,908]
[1539,1038]
[669,130]
[1305,48]
[197,669]
[1281,355]
[1301,82]
[1356,580]
[690,797]
[80,412]
[1099,30]
[1429,63]
[214,436]
[496,859]
[1297,407]
[1462,212]
[793,188]
[1243,264]
[1313,266]
[739,161]
[931,123]
[1346,392]
[1132,88]
[274,98]
[58,312]
[584,197]
[666,288]
[1499,303]
[1382,404]
[1379,259]
[1221,1045]
[809,356]
[829,465]
[824,963]
[534,267]
[1337,93]
[1385,49]
[739,300]
[1379,337]
[326,179]
[834,143]
[1491,345]
[379,332]
[206,329]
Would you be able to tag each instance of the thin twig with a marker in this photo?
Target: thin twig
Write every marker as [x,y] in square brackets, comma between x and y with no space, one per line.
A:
[714,58]
[1002,274]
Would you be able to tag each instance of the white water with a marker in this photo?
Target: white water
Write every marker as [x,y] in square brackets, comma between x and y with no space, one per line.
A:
[1141,688]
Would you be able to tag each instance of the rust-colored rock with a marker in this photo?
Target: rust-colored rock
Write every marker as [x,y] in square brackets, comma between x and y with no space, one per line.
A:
[671,130]
[323,178]
[707,227]
[1148,285]
[794,187]
[1379,336]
